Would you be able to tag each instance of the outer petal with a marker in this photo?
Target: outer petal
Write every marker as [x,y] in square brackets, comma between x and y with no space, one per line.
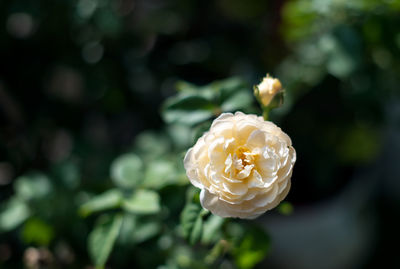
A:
[189,164]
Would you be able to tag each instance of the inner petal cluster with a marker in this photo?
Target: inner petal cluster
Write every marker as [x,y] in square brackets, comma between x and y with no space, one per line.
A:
[240,165]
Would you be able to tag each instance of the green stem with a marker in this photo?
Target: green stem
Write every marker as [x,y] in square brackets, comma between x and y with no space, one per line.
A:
[266,111]
[217,251]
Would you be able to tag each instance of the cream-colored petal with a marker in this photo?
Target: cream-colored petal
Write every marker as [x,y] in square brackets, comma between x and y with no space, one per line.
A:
[235,188]
[216,152]
[190,167]
[255,180]
[245,172]
[256,139]
[266,198]
[214,204]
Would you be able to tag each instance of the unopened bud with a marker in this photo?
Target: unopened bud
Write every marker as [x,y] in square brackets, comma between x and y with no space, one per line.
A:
[267,90]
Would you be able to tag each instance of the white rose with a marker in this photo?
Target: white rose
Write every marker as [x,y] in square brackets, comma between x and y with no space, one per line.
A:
[242,165]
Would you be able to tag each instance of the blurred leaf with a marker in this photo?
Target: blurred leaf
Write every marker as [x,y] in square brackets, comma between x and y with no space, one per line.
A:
[12,214]
[227,88]
[160,173]
[238,101]
[193,105]
[143,202]
[68,173]
[285,208]
[38,232]
[127,229]
[187,109]
[102,238]
[197,230]
[252,248]
[135,229]
[145,230]
[151,145]
[200,129]
[107,200]
[297,18]
[108,21]
[33,186]
[344,50]
[192,222]
[181,136]
[126,171]
[212,229]
[368,145]
[186,87]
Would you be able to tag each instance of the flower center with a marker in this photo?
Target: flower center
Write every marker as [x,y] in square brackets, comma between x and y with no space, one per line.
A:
[244,155]
[241,164]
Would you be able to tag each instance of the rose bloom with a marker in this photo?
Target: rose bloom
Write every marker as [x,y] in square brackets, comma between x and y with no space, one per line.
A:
[242,165]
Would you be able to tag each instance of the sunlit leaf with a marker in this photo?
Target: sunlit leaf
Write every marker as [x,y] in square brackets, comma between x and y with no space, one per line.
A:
[252,247]
[145,230]
[126,171]
[107,200]
[38,232]
[238,101]
[227,88]
[187,109]
[192,222]
[33,186]
[135,229]
[12,214]
[151,145]
[285,208]
[160,173]
[212,229]
[143,202]
[102,238]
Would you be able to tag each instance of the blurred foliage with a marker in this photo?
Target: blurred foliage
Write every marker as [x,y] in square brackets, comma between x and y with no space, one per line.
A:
[93,132]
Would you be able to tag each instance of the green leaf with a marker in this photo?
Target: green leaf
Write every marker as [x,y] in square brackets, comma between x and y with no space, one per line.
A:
[212,229]
[13,213]
[38,232]
[285,208]
[67,173]
[343,48]
[143,202]
[160,173]
[186,87]
[107,200]
[193,105]
[192,222]
[188,109]
[33,186]
[238,101]
[151,145]
[102,238]
[126,171]
[197,230]
[145,230]
[135,229]
[228,87]
[252,248]
[180,135]
[368,143]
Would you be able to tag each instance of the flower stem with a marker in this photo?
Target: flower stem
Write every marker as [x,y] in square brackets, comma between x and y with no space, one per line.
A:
[266,111]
